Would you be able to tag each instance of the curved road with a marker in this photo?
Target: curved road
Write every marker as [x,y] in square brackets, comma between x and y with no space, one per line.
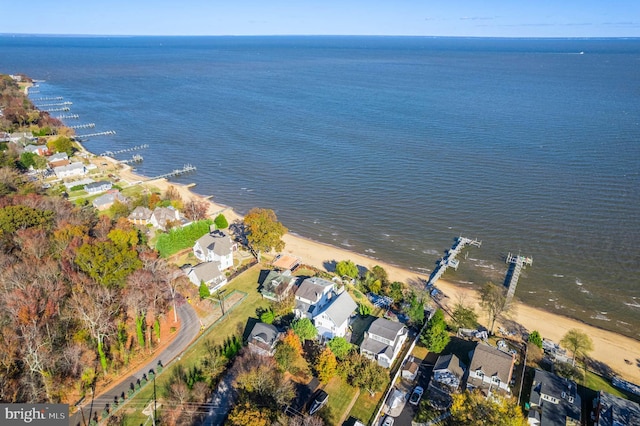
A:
[189,329]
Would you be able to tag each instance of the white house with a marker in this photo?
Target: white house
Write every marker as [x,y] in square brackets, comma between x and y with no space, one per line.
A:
[216,246]
[73,169]
[163,216]
[36,149]
[105,201]
[333,320]
[98,187]
[312,296]
[490,369]
[208,272]
[383,341]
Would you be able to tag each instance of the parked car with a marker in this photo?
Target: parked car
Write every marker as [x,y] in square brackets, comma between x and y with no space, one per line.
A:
[388,421]
[416,395]
[318,402]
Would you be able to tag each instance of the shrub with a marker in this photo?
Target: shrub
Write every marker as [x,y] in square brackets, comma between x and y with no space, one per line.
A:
[182,238]
[221,222]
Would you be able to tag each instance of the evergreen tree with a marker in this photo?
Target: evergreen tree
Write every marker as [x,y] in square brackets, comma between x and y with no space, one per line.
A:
[435,336]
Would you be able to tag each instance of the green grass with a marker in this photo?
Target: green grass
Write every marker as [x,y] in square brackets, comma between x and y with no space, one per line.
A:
[365,406]
[420,351]
[340,396]
[182,238]
[233,323]
[598,383]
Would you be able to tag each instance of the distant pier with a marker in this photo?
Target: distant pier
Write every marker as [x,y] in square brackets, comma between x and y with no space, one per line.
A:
[90,135]
[186,169]
[53,98]
[63,109]
[516,265]
[83,126]
[67,116]
[135,159]
[67,103]
[120,151]
[449,260]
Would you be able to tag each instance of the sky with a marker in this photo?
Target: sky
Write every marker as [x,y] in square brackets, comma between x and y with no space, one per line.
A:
[462,18]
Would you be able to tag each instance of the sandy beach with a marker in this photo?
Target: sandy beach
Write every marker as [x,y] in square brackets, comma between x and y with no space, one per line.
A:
[620,353]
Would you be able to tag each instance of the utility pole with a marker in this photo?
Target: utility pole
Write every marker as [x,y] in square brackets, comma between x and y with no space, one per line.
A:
[154,400]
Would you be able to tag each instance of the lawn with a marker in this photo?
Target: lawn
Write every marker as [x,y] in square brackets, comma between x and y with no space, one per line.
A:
[340,396]
[598,383]
[233,323]
[365,406]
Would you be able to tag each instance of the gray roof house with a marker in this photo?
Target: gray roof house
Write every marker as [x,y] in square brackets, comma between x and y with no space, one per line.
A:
[312,296]
[215,246]
[554,401]
[277,285]
[73,169]
[140,215]
[383,341]
[448,373]
[163,216]
[105,201]
[490,369]
[36,149]
[263,338]
[615,411]
[210,273]
[333,320]
[97,187]
[57,157]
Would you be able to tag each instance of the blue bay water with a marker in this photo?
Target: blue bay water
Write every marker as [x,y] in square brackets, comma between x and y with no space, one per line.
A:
[391,147]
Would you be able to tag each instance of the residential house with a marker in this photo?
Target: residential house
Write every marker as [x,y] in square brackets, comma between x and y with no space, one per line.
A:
[285,262]
[448,373]
[312,296]
[490,369]
[105,201]
[277,285]
[73,169]
[611,410]
[383,341]
[554,401]
[410,368]
[263,339]
[58,156]
[208,272]
[98,187]
[216,246]
[162,217]
[140,216]
[22,138]
[333,320]
[36,149]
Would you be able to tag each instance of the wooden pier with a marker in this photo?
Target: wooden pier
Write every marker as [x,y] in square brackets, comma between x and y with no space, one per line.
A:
[186,169]
[120,151]
[90,135]
[135,159]
[83,126]
[63,109]
[67,116]
[516,265]
[53,98]
[54,104]
[449,260]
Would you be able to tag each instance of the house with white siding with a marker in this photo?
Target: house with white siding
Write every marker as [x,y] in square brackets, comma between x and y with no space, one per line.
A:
[383,341]
[333,320]
[216,246]
[490,369]
[73,169]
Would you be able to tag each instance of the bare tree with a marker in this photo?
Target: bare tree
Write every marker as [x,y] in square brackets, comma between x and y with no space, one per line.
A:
[493,301]
[196,209]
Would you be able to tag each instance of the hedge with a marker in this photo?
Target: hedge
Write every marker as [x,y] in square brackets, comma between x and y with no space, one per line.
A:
[181,238]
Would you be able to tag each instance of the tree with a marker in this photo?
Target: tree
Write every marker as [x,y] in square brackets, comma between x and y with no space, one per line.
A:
[435,336]
[494,302]
[340,347]
[204,291]
[346,268]
[464,316]
[221,222]
[267,316]
[473,408]
[578,342]
[416,309]
[106,262]
[304,329]
[61,144]
[264,232]
[364,309]
[196,209]
[535,338]
[248,415]
[396,291]
[327,365]
[370,376]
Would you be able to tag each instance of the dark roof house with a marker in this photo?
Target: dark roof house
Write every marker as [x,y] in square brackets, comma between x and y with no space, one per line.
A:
[263,339]
[554,401]
[448,373]
[615,411]
[490,369]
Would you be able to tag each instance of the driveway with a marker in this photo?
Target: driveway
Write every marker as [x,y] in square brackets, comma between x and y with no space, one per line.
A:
[410,410]
[189,329]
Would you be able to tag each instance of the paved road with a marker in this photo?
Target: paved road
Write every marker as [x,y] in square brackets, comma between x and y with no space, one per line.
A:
[410,410]
[221,402]
[189,329]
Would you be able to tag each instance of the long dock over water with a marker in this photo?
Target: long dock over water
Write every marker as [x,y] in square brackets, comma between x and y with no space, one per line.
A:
[517,264]
[449,259]
[90,135]
[186,169]
[120,151]
[67,116]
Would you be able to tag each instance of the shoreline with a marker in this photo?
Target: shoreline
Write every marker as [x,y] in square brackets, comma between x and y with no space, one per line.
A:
[620,353]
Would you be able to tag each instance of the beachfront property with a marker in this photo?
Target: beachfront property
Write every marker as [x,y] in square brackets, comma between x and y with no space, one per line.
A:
[98,187]
[278,285]
[263,339]
[21,138]
[105,201]
[383,341]
[209,273]
[333,320]
[447,374]
[490,369]
[163,217]
[285,262]
[554,401]
[58,159]
[312,296]
[140,216]
[40,150]
[216,246]
[73,169]
[611,410]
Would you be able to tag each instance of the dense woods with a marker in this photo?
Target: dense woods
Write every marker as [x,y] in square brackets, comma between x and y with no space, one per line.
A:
[78,295]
